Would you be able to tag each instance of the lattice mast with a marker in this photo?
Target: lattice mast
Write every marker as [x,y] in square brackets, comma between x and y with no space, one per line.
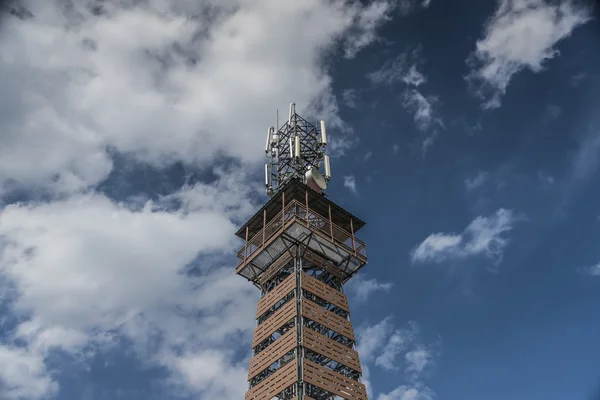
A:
[294,150]
[300,249]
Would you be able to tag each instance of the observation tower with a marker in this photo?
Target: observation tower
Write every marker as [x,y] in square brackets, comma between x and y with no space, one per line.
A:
[300,249]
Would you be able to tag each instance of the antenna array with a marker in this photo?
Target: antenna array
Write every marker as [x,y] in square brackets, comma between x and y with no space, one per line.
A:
[296,150]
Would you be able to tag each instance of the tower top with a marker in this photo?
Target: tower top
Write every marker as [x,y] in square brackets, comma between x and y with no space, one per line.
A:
[296,150]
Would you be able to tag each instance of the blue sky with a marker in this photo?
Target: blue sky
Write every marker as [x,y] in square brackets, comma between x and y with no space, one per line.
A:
[466,135]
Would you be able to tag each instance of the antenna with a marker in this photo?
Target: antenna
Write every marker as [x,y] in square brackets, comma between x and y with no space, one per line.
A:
[323,133]
[297,147]
[296,151]
[268,145]
[267,175]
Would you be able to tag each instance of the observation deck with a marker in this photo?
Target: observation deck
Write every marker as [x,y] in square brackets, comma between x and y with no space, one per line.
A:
[298,215]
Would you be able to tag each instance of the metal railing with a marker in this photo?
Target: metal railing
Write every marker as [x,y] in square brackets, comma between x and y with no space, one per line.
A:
[295,209]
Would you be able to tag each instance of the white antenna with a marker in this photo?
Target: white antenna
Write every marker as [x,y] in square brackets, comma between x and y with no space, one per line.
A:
[327,168]
[291,148]
[323,133]
[292,112]
[268,145]
[297,146]
[267,175]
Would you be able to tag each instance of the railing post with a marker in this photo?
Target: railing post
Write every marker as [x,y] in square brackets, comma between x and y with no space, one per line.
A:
[353,242]
[264,225]
[246,246]
[306,198]
[330,224]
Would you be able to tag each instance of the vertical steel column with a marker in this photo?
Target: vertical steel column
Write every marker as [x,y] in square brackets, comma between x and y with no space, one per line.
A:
[299,344]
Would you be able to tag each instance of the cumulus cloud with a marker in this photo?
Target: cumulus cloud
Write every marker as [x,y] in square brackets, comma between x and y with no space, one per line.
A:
[522,34]
[594,270]
[406,392]
[80,82]
[382,345]
[350,183]
[418,360]
[397,342]
[476,181]
[157,82]
[365,27]
[423,109]
[350,98]
[86,267]
[23,374]
[361,289]
[483,236]
[404,68]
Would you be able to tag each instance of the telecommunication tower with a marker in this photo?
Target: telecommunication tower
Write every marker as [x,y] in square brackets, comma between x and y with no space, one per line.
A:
[300,249]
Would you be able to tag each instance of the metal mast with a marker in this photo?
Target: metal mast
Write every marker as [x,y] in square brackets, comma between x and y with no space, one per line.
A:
[300,248]
[294,149]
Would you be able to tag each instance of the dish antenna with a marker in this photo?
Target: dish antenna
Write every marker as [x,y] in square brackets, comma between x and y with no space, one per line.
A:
[315,180]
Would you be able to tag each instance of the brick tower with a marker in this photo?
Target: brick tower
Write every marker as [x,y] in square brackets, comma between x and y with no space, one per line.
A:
[300,248]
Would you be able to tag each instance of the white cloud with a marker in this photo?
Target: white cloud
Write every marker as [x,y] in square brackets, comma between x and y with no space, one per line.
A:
[78,85]
[382,344]
[423,109]
[521,34]
[350,183]
[407,6]
[365,26]
[476,181]
[406,392]
[213,374]
[413,77]
[85,267]
[368,155]
[176,90]
[398,342]
[23,375]
[361,289]
[350,98]
[372,338]
[595,270]
[417,360]
[402,68]
[546,179]
[483,236]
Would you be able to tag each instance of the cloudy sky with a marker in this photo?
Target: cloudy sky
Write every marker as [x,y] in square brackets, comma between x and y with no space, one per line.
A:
[466,134]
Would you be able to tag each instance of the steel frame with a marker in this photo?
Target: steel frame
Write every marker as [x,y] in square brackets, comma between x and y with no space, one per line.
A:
[284,166]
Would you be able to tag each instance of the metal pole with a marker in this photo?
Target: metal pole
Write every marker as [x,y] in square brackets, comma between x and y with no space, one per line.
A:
[353,242]
[306,198]
[246,246]
[330,224]
[264,224]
